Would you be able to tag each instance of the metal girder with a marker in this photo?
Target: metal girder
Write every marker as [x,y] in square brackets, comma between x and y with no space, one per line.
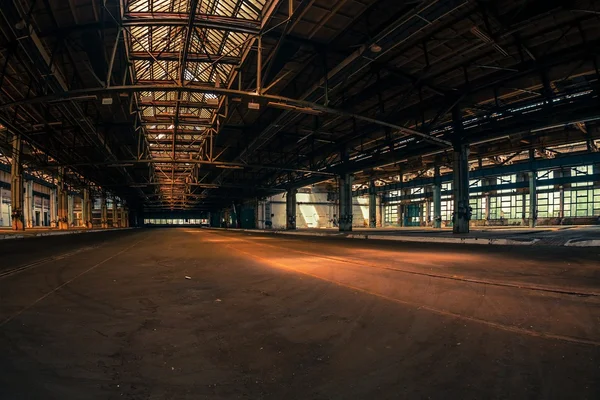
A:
[200,20]
[174,102]
[218,164]
[301,106]
[193,57]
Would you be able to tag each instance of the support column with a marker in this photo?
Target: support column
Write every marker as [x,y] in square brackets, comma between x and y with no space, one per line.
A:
[460,173]
[63,203]
[372,205]
[53,209]
[70,210]
[532,199]
[566,172]
[115,215]
[268,213]
[103,212]
[16,185]
[488,206]
[346,202]
[28,209]
[119,218]
[123,218]
[86,209]
[521,177]
[428,207]
[437,199]
[290,209]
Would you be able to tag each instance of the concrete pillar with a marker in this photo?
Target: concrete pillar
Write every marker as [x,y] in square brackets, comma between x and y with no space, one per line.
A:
[259,214]
[28,209]
[53,208]
[86,209]
[103,212]
[372,205]
[70,210]
[16,185]
[561,201]
[460,175]
[346,202]
[226,218]
[268,212]
[532,199]
[119,218]
[428,207]
[63,206]
[437,199]
[115,215]
[290,209]
[122,218]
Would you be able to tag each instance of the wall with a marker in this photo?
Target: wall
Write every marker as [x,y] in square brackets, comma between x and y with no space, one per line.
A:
[40,215]
[313,210]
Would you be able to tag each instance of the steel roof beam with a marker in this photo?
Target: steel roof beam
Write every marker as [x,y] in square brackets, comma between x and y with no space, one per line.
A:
[200,21]
[191,57]
[302,106]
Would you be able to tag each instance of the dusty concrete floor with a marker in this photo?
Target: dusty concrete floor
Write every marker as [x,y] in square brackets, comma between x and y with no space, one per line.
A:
[264,316]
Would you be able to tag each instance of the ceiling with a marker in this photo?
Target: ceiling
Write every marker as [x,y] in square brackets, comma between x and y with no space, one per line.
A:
[192,104]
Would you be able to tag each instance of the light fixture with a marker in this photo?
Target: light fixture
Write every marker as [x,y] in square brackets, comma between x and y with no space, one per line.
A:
[253,106]
[375,48]
[107,101]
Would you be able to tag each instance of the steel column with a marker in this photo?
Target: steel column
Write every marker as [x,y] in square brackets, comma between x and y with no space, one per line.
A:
[372,205]
[84,209]
[71,210]
[122,218]
[103,212]
[437,199]
[28,212]
[16,188]
[346,215]
[462,214]
[290,209]
[532,199]
[63,208]
[428,209]
[53,208]
[115,216]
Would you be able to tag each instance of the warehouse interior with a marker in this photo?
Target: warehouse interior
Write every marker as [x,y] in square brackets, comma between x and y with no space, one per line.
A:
[245,145]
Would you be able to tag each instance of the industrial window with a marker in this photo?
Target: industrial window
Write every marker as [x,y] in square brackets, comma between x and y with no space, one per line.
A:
[582,203]
[548,205]
[475,185]
[582,171]
[391,214]
[509,206]
[478,205]
[446,187]
[504,180]
[543,176]
[447,209]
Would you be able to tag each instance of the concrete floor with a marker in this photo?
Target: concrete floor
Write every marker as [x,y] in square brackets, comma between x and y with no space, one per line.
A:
[114,316]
